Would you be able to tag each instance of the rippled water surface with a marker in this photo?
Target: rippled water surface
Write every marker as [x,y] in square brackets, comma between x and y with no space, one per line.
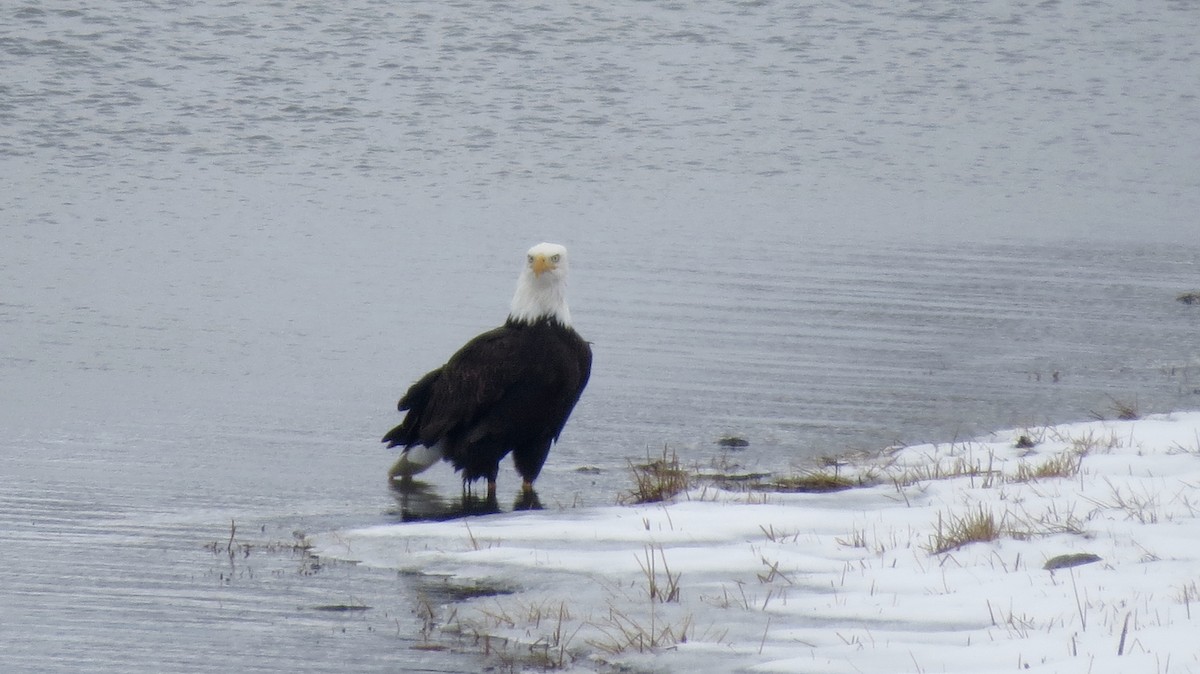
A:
[233,233]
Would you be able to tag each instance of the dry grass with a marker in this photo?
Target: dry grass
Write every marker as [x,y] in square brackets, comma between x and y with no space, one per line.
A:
[1090,442]
[856,539]
[552,621]
[1056,521]
[656,480]
[1144,508]
[239,552]
[623,633]
[659,479]
[550,627]
[809,482]
[1062,465]
[665,589]
[962,467]
[978,525]
[981,525]
[1121,409]
[1187,595]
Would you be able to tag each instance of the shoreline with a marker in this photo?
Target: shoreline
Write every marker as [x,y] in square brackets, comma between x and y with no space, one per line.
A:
[935,561]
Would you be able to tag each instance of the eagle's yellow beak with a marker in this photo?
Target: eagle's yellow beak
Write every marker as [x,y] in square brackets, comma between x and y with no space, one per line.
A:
[541,264]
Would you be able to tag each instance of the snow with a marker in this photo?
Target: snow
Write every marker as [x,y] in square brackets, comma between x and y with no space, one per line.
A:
[847,581]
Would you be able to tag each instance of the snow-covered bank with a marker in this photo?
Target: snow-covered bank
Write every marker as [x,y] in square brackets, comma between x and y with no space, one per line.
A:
[850,581]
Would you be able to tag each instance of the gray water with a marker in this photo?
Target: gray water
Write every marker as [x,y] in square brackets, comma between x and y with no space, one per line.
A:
[233,233]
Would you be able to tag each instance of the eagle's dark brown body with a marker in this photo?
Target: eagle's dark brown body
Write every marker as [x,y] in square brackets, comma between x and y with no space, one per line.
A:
[510,389]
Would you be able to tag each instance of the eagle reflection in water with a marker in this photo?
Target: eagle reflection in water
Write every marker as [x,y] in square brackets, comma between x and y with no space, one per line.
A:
[420,502]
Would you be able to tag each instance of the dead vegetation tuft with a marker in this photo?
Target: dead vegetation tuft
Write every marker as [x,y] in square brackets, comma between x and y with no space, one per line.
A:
[1124,410]
[1062,465]
[809,482]
[978,525]
[656,480]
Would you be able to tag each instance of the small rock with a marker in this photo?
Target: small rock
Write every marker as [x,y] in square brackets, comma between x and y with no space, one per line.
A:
[1067,561]
[1192,297]
[733,441]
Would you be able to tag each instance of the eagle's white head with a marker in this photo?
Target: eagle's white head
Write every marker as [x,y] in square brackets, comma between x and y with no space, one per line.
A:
[542,286]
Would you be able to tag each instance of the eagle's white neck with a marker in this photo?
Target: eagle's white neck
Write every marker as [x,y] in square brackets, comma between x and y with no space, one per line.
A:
[539,297]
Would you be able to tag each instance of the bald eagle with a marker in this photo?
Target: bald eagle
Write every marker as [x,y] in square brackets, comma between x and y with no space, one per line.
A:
[510,389]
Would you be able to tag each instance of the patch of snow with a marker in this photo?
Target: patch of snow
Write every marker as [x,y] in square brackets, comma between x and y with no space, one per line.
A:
[846,581]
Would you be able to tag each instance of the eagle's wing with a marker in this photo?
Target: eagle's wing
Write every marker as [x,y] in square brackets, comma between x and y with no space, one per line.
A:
[471,383]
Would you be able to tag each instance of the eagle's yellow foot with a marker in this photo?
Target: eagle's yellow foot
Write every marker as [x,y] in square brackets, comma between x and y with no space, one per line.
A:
[396,469]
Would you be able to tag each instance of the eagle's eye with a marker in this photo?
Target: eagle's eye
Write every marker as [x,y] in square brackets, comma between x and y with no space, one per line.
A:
[554,258]
[530,258]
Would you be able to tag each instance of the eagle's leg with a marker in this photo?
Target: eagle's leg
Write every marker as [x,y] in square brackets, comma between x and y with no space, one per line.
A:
[400,470]
[491,494]
[526,487]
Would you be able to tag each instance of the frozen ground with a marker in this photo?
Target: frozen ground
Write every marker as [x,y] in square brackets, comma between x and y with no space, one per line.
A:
[848,581]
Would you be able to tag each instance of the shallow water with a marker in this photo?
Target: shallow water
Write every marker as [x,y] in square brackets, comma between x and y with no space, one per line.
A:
[234,234]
